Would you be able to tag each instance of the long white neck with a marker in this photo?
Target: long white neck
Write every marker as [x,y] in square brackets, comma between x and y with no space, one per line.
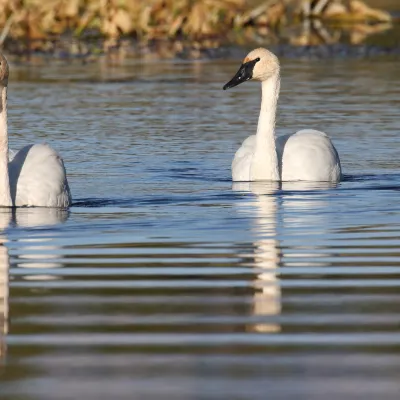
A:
[5,195]
[265,165]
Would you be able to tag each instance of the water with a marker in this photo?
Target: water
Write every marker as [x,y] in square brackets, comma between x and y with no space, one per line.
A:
[164,280]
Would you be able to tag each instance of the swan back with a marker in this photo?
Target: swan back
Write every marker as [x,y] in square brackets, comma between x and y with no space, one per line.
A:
[309,155]
[38,178]
[242,161]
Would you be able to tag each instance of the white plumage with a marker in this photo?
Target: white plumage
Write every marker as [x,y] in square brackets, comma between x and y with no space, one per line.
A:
[38,178]
[34,176]
[307,155]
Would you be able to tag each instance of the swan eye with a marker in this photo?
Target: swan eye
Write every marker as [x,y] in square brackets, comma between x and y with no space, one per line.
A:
[257,59]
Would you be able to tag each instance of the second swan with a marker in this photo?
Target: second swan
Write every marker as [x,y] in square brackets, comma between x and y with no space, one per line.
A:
[35,177]
[307,155]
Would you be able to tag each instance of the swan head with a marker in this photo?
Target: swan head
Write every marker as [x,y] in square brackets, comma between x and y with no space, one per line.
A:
[260,64]
[3,70]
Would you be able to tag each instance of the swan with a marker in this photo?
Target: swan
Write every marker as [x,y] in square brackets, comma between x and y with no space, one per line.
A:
[36,174]
[307,155]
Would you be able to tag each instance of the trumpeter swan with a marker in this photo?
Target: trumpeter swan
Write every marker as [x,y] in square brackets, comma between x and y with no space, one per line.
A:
[307,155]
[36,175]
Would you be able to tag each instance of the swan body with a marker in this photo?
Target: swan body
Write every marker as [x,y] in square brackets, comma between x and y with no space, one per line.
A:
[307,155]
[38,178]
[34,176]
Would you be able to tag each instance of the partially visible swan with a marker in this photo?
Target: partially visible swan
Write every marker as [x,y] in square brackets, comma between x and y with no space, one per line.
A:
[36,175]
[307,155]
[37,252]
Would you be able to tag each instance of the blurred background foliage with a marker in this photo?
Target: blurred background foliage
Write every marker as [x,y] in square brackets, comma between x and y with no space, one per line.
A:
[193,20]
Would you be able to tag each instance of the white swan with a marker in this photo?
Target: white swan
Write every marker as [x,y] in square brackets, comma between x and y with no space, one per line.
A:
[307,155]
[36,175]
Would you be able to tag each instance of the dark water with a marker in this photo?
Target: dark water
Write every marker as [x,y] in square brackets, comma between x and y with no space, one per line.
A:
[164,280]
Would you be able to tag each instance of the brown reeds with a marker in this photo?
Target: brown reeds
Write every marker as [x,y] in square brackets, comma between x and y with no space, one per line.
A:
[112,18]
[146,20]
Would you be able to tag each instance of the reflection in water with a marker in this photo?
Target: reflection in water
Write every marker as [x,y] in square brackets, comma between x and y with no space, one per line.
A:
[35,217]
[300,204]
[154,299]
[267,253]
[27,218]
[267,295]
[5,218]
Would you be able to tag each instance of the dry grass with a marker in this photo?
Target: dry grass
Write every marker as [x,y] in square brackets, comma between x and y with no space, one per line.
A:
[113,18]
[193,20]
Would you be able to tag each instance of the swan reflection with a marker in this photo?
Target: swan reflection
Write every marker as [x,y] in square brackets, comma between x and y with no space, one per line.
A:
[267,251]
[24,218]
[5,219]
[304,204]
[31,258]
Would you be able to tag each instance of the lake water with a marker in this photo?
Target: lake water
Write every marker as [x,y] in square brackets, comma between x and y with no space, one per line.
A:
[164,280]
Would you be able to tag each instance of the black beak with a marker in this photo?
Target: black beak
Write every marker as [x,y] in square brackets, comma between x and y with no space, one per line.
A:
[244,74]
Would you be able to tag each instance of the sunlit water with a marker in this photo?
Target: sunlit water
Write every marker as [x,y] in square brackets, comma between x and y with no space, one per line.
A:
[164,280]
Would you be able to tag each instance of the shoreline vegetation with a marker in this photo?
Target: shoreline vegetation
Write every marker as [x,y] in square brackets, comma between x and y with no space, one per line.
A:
[186,28]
